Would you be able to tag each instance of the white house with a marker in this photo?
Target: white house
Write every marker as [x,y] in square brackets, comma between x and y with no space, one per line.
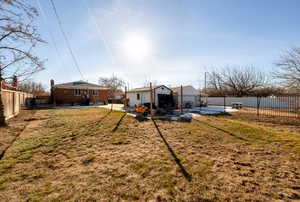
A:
[190,96]
[162,96]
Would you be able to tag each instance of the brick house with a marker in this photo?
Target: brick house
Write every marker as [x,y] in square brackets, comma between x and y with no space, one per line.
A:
[13,86]
[78,92]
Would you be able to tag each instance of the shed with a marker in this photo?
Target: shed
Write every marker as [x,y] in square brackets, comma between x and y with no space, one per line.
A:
[162,96]
[190,96]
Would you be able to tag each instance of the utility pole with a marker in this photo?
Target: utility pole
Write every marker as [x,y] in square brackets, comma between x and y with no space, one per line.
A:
[2,117]
[151,100]
[125,101]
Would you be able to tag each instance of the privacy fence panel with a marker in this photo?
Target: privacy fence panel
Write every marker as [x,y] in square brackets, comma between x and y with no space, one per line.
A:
[13,101]
[187,100]
[285,106]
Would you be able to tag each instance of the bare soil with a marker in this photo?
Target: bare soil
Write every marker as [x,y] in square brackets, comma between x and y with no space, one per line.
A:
[13,128]
[95,155]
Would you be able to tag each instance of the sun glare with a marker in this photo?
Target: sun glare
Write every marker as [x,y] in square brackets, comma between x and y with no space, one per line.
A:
[136,47]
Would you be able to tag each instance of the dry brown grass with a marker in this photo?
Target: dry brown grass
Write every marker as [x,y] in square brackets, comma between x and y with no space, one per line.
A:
[13,128]
[76,154]
[279,123]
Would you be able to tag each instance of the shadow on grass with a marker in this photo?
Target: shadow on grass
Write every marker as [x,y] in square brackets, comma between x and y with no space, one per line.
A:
[119,123]
[103,117]
[187,176]
[222,130]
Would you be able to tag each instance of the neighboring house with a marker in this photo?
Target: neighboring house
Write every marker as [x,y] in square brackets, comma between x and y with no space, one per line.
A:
[162,96]
[190,96]
[116,96]
[13,86]
[119,95]
[78,92]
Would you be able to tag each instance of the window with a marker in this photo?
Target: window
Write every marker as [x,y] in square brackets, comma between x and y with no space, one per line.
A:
[77,92]
[138,96]
[94,92]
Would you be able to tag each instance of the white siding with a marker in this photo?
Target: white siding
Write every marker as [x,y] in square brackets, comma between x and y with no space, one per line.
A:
[145,96]
[275,102]
[161,90]
[190,95]
[188,90]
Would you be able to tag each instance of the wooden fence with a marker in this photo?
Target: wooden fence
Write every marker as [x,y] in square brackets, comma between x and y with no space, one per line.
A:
[13,101]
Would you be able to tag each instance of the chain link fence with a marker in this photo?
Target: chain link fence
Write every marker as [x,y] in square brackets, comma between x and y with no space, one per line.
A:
[283,106]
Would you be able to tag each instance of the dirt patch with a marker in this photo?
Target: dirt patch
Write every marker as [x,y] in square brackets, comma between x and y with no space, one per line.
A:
[14,127]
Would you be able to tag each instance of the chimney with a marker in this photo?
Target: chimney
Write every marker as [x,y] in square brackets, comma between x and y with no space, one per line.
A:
[52,96]
[52,83]
[15,82]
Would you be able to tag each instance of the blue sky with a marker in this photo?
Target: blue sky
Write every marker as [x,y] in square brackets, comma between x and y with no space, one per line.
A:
[178,39]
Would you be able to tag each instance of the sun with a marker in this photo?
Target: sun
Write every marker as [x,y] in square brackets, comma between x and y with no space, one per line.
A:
[136,47]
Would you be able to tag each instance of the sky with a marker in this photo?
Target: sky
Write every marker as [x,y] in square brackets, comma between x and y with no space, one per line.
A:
[170,42]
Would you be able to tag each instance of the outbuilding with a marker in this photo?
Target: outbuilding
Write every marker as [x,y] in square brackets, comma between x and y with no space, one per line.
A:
[162,96]
[190,96]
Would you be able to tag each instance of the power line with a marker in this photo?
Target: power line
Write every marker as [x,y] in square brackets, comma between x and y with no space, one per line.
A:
[49,31]
[66,38]
[99,29]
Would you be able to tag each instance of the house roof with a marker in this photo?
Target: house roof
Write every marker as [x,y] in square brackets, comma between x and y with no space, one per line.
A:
[145,89]
[80,85]
[7,86]
[177,89]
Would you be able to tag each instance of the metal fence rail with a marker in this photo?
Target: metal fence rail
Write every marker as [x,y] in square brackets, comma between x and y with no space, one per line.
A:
[282,106]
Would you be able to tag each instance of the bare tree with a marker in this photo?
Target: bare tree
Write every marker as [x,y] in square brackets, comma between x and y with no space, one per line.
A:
[236,81]
[289,68]
[33,87]
[216,86]
[113,83]
[18,37]
[147,83]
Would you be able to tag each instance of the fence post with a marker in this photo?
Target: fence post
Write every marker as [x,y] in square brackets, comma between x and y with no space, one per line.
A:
[257,105]
[224,103]
[181,99]
[151,100]
[2,117]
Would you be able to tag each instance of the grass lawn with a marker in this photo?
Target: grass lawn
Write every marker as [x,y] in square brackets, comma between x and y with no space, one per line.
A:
[94,155]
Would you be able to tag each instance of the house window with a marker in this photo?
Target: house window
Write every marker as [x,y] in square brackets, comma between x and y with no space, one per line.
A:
[94,92]
[77,92]
[138,96]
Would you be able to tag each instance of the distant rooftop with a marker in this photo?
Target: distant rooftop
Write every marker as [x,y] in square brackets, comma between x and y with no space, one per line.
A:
[145,89]
[80,85]
[177,89]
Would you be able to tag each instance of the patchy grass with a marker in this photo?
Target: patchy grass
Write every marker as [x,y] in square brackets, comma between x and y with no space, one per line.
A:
[14,127]
[278,123]
[90,154]
[258,134]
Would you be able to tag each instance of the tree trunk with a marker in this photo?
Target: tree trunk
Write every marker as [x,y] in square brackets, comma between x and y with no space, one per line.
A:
[2,117]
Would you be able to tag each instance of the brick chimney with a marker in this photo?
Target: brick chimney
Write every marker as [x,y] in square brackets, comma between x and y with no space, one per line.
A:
[51,83]
[15,82]
[52,95]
